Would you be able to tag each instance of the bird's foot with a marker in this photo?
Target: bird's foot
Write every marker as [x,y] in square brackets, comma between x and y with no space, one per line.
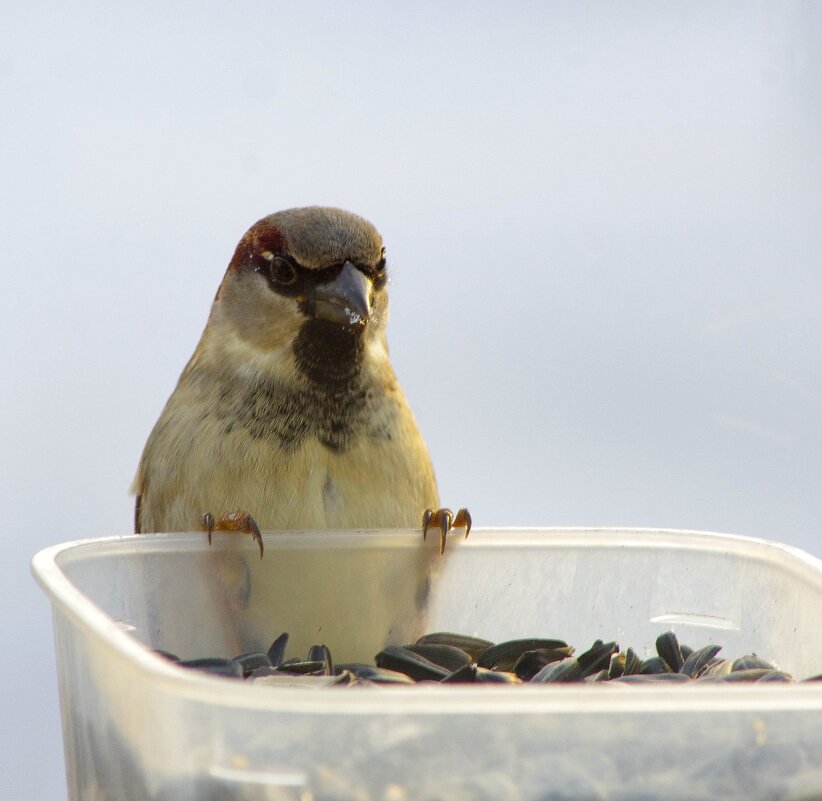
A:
[445,520]
[233,521]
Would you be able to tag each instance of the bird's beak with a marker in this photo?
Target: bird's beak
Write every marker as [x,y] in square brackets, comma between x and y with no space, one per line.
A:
[346,300]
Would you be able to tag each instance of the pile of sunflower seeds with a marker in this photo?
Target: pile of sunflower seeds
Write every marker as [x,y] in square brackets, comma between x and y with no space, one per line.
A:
[688,755]
[455,658]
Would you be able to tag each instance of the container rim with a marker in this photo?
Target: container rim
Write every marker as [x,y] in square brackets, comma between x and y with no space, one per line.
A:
[433,699]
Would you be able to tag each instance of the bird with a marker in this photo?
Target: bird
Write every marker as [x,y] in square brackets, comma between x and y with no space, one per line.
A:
[289,415]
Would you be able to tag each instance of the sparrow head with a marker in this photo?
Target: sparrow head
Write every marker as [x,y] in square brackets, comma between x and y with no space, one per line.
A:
[308,280]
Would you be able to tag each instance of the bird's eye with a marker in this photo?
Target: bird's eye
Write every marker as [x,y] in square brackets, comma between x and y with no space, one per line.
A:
[380,268]
[282,271]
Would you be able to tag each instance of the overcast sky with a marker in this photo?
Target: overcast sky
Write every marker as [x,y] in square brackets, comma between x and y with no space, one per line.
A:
[602,221]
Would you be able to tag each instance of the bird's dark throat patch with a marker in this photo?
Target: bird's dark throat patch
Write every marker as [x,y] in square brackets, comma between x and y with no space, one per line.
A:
[334,405]
[329,355]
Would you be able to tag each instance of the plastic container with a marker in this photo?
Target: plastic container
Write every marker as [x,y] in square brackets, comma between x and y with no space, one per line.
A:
[137,727]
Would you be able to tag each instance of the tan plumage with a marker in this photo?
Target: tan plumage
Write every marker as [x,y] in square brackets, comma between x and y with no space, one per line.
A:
[289,408]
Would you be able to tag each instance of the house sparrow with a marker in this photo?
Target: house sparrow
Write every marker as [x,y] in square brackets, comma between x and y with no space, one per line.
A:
[289,415]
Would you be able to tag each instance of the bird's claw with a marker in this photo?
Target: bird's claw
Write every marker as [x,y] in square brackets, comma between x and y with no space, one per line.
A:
[233,521]
[463,520]
[445,520]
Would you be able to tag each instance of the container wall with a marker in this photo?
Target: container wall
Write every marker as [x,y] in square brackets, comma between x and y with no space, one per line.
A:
[195,601]
[138,733]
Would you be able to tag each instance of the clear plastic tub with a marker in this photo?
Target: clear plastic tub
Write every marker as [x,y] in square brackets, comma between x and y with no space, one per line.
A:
[137,727]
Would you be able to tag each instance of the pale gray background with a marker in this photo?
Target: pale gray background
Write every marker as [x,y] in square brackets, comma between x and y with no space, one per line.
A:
[603,221]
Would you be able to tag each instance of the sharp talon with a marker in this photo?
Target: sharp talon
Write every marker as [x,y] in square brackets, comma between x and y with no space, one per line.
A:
[445,525]
[427,516]
[255,533]
[208,524]
[463,519]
